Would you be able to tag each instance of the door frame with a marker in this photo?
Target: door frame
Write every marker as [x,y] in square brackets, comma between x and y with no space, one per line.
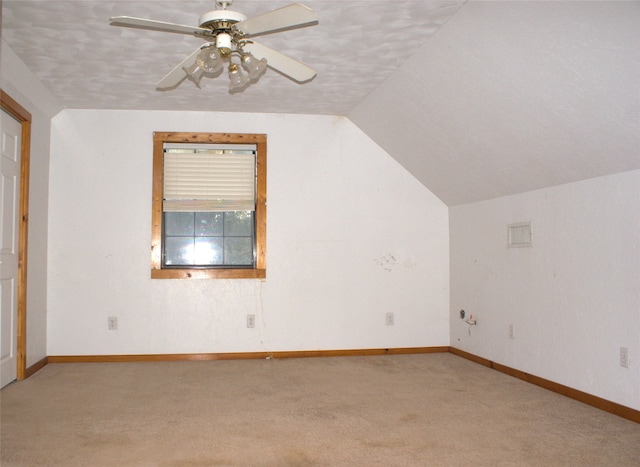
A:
[18,112]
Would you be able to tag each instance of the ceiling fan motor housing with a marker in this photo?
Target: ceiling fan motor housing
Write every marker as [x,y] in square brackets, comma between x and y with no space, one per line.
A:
[221,23]
[221,19]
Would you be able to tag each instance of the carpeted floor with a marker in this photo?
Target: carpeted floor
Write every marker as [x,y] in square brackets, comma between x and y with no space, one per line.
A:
[413,410]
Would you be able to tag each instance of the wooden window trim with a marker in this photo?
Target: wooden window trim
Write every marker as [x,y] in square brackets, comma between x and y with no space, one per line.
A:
[260,271]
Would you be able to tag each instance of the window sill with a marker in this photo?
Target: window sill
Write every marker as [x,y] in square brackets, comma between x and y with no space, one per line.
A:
[208,273]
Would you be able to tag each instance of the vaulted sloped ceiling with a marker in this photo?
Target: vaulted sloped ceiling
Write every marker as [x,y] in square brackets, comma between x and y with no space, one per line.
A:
[477,99]
[515,96]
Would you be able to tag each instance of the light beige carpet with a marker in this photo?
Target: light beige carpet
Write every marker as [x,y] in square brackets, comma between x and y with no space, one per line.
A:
[414,410]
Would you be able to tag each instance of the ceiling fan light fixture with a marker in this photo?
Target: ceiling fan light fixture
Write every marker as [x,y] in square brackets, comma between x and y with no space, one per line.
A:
[255,67]
[238,82]
[210,60]
[194,73]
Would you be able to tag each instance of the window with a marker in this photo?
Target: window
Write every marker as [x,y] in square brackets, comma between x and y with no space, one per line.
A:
[209,206]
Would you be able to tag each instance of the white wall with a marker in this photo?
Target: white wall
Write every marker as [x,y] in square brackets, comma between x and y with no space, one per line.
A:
[350,236]
[22,86]
[574,297]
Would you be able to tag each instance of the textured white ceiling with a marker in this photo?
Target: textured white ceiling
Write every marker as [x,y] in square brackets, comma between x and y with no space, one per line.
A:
[476,99]
[86,63]
[515,96]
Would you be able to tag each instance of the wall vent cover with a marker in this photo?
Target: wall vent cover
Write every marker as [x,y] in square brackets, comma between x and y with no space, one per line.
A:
[519,235]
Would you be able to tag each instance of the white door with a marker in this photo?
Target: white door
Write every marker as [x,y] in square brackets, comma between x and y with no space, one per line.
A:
[10,142]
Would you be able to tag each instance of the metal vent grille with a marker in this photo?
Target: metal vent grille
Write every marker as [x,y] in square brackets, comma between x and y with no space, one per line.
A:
[519,235]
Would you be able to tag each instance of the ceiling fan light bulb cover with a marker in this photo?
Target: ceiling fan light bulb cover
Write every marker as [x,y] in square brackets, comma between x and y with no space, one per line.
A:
[194,73]
[209,60]
[237,81]
[254,67]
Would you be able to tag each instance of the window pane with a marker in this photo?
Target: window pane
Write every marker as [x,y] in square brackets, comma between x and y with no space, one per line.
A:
[178,250]
[209,224]
[178,223]
[238,251]
[238,223]
[208,251]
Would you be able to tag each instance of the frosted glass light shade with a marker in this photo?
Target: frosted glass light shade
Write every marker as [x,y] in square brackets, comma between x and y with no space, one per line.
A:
[254,67]
[237,81]
[194,73]
[210,60]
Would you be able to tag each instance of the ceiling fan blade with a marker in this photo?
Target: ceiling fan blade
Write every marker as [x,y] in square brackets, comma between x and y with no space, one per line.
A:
[141,23]
[286,65]
[288,17]
[175,76]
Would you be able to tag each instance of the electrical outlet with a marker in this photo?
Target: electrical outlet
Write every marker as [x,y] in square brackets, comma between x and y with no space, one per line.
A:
[512,331]
[624,357]
[112,323]
[251,321]
[390,319]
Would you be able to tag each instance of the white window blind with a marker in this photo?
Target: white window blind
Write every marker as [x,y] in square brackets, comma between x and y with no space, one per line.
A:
[205,178]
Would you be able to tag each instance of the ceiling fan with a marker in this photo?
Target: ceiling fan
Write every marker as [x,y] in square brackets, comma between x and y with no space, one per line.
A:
[228,35]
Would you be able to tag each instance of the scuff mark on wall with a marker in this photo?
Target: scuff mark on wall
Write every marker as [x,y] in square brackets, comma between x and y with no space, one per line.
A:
[387,262]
